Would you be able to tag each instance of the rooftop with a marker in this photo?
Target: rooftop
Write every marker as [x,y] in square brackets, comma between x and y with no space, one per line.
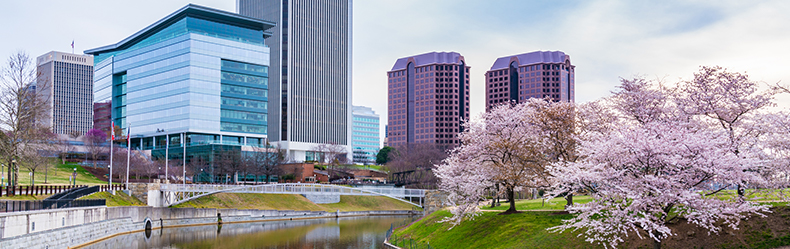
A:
[191,10]
[427,59]
[530,58]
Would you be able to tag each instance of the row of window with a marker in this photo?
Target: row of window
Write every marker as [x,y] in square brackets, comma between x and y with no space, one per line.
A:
[244,66]
[263,105]
[245,78]
[244,115]
[247,128]
[370,120]
[426,69]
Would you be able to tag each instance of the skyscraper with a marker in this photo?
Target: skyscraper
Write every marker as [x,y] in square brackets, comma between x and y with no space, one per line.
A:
[199,73]
[428,99]
[538,74]
[67,80]
[365,135]
[311,71]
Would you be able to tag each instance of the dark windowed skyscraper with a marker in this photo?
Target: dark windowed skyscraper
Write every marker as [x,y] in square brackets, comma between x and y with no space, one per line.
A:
[428,99]
[532,75]
[310,71]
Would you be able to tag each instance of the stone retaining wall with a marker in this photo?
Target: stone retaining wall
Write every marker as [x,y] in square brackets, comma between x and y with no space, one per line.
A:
[71,227]
[434,200]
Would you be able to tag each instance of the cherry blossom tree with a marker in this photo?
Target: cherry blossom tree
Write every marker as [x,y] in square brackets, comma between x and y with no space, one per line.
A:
[512,147]
[654,164]
[730,101]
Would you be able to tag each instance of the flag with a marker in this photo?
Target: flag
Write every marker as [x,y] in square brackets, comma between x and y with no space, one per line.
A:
[112,131]
[128,132]
[72,44]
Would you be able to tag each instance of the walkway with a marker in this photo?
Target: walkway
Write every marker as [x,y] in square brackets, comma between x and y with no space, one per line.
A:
[180,193]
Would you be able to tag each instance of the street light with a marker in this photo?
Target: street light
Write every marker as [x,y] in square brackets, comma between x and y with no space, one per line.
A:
[13,165]
[75,176]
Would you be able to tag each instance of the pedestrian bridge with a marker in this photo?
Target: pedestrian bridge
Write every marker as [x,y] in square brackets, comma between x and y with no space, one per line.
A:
[173,194]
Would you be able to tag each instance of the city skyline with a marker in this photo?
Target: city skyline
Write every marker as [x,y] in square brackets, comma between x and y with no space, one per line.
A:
[608,39]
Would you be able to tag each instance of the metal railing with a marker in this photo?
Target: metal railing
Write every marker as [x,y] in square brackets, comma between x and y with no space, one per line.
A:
[406,243]
[295,188]
[17,206]
[179,193]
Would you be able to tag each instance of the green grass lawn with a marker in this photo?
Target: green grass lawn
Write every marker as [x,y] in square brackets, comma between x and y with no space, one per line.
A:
[539,204]
[119,199]
[59,175]
[24,197]
[489,230]
[294,202]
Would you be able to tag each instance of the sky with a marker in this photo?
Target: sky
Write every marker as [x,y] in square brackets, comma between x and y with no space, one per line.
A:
[606,39]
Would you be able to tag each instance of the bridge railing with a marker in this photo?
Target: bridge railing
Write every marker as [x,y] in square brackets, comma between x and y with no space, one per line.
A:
[296,188]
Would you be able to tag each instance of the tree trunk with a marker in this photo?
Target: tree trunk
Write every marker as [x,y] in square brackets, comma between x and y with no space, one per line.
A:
[511,198]
[656,244]
[9,173]
[33,178]
[493,201]
[569,200]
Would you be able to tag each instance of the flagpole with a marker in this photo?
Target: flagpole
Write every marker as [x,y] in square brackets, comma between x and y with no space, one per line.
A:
[112,137]
[167,150]
[184,143]
[128,151]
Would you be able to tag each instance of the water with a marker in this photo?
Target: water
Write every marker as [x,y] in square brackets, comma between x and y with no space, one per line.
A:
[351,232]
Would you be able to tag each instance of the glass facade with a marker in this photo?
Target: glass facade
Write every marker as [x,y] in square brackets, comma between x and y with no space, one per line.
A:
[365,135]
[244,107]
[200,72]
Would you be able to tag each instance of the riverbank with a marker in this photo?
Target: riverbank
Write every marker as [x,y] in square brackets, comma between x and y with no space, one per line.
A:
[528,230]
[74,227]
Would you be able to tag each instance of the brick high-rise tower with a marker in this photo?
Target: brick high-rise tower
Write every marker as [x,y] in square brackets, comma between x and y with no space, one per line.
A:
[532,75]
[428,99]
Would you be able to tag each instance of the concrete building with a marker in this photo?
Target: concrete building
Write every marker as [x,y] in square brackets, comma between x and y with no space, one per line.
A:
[67,81]
[428,99]
[541,74]
[365,138]
[198,72]
[311,69]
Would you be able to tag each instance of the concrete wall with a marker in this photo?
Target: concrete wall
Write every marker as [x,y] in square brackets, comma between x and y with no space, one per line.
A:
[323,199]
[71,227]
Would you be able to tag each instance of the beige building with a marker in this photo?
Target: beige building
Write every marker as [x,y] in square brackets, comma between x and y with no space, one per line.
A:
[67,82]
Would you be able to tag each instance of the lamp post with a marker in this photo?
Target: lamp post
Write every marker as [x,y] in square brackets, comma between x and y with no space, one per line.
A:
[74,176]
[13,167]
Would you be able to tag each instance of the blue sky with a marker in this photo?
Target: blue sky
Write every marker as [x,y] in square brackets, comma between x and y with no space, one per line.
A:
[606,40]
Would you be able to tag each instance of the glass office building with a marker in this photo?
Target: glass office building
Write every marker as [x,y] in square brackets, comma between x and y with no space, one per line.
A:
[199,72]
[365,137]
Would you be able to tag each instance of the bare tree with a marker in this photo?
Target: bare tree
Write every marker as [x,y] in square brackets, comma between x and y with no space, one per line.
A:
[95,141]
[23,110]
[266,161]
[417,160]
[33,159]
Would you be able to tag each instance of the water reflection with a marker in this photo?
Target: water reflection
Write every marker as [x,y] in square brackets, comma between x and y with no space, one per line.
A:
[351,232]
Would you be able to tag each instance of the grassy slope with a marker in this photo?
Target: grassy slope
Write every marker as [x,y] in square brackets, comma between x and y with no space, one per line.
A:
[528,230]
[294,202]
[489,230]
[538,204]
[59,175]
[119,199]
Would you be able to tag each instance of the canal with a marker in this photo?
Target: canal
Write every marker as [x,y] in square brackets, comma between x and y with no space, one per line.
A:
[350,232]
